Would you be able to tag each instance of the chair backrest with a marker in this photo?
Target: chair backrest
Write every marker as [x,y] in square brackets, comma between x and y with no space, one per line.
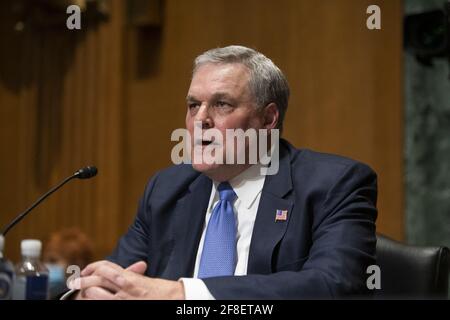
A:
[411,271]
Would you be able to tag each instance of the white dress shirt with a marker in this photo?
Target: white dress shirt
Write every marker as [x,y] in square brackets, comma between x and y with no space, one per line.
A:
[247,186]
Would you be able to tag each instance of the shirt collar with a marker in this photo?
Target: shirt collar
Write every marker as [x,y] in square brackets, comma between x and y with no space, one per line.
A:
[247,186]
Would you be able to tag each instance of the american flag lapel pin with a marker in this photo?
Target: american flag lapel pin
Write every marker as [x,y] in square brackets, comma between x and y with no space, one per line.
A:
[281,215]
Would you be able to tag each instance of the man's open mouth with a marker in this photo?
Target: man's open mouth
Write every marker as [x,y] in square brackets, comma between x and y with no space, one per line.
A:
[203,142]
[206,142]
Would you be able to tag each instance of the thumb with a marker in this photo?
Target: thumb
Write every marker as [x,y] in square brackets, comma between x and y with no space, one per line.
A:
[138,267]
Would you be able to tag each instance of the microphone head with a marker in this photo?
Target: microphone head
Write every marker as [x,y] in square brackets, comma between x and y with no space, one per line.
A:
[86,172]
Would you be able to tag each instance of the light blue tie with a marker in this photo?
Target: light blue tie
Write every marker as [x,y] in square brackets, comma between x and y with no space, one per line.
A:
[219,248]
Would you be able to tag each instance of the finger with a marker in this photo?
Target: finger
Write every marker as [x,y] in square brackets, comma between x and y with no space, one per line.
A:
[91,268]
[97,293]
[138,267]
[93,281]
[117,277]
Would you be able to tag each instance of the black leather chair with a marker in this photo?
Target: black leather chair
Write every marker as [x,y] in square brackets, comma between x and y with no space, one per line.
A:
[411,272]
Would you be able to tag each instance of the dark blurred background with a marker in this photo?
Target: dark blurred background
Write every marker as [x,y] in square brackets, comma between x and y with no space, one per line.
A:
[111,93]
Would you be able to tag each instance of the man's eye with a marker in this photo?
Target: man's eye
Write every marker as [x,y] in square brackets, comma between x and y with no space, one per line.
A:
[193,105]
[222,104]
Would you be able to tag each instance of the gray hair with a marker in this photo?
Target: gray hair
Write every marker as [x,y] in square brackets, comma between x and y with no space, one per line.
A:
[267,83]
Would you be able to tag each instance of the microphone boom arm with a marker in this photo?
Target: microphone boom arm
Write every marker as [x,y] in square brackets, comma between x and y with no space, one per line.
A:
[84,173]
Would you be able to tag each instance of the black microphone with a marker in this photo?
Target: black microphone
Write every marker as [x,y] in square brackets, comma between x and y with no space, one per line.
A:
[86,172]
[83,173]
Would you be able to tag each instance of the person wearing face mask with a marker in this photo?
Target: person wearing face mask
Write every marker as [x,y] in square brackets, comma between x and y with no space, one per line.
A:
[64,248]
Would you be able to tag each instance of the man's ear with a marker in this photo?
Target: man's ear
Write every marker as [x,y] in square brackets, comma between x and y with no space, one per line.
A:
[271,115]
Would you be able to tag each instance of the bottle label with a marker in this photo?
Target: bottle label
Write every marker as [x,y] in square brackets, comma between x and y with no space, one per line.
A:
[5,286]
[31,288]
[37,288]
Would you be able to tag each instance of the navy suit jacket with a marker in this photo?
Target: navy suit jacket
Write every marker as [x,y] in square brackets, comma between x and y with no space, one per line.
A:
[322,250]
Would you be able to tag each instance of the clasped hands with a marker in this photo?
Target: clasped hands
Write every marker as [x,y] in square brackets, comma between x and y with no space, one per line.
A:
[104,280]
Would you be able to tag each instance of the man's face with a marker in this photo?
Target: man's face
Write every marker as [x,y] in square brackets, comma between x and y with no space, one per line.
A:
[219,97]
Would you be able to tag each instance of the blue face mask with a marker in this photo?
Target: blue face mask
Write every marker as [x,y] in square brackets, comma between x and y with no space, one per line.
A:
[57,279]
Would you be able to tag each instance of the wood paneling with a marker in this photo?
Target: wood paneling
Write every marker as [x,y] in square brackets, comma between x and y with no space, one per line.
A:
[61,104]
[112,93]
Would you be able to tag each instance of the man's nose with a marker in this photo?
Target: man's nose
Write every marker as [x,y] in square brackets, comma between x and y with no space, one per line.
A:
[204,116]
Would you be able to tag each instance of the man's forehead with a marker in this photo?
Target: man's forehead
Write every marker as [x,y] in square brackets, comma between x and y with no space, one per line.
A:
[215,95]
[219,79]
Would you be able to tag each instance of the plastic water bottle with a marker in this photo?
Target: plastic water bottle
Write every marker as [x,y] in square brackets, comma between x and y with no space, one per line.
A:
[6,274]
[31,281]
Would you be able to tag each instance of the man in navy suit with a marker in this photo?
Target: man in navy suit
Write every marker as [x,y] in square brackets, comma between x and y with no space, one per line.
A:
[225,231]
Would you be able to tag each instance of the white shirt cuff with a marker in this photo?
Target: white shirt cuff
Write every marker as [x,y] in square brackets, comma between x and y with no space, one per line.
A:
[196,289]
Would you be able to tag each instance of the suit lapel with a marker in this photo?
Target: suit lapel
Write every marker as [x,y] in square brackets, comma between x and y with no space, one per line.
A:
[190,217]
[267,232]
